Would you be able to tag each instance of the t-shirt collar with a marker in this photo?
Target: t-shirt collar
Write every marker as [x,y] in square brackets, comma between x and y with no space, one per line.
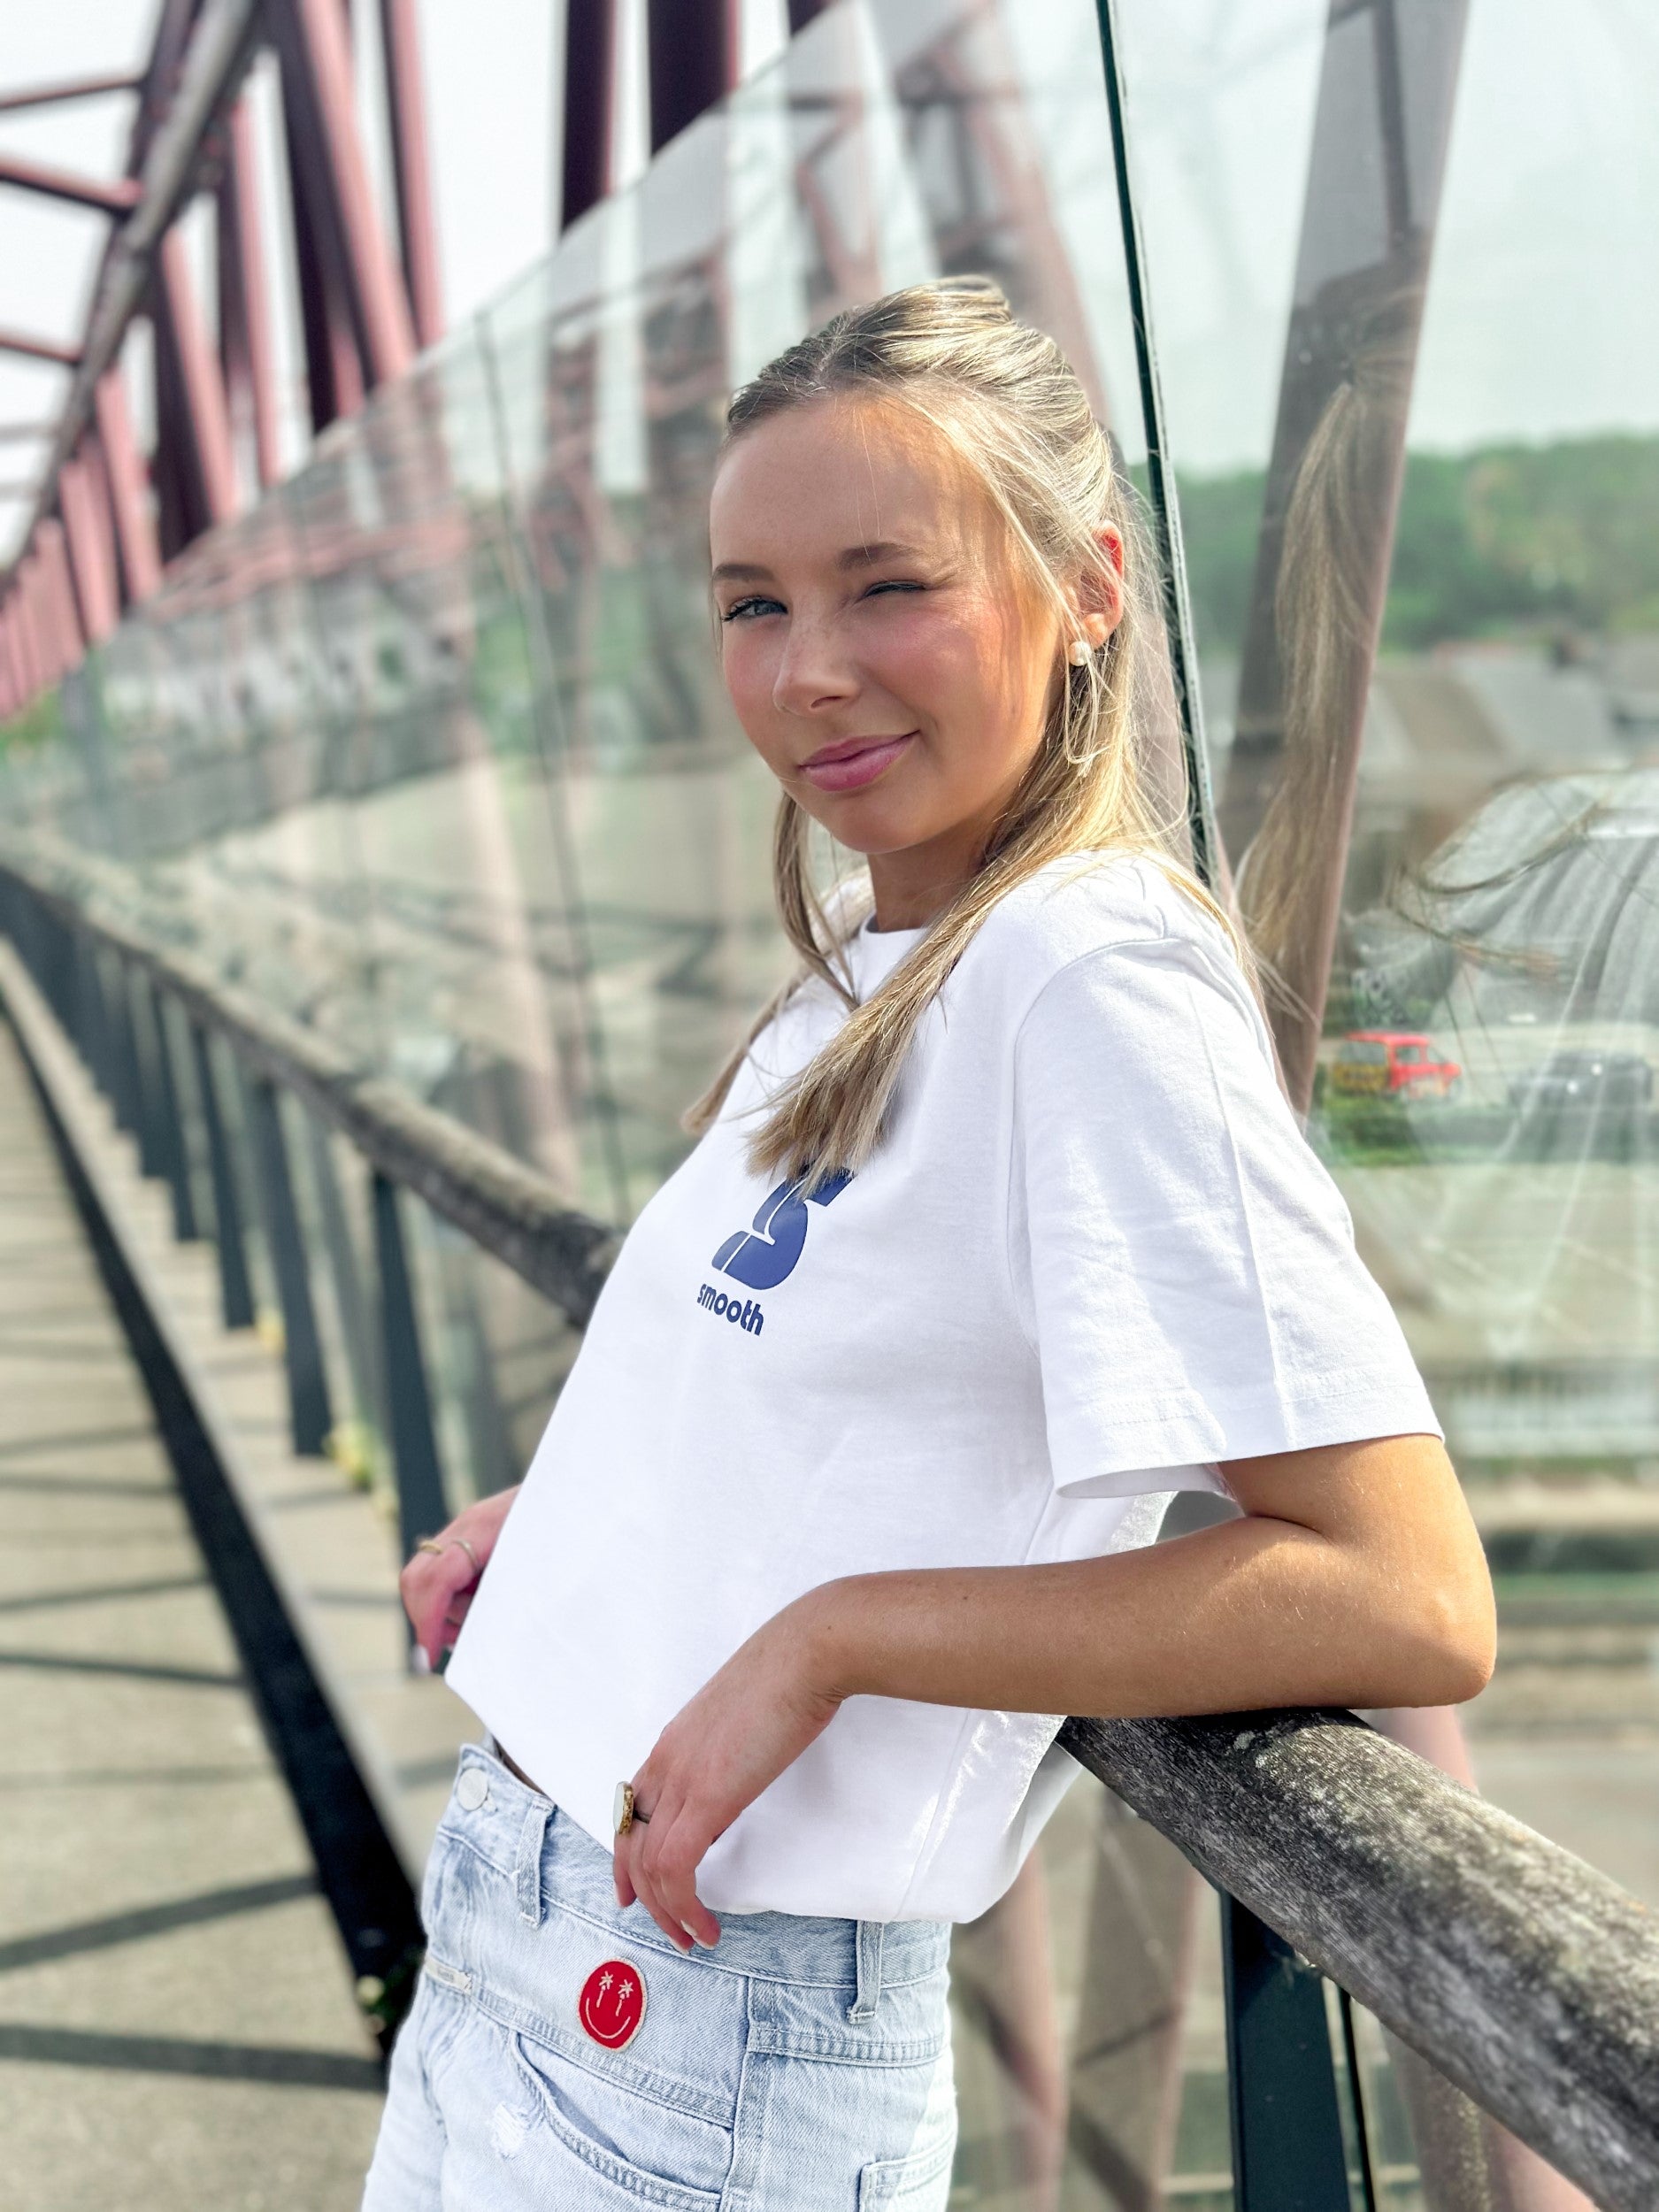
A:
[873,954]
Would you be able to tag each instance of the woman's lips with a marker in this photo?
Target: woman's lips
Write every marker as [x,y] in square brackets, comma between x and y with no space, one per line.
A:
[847,767]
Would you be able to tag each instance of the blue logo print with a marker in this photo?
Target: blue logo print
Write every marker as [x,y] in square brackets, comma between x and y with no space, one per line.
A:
[763,1254]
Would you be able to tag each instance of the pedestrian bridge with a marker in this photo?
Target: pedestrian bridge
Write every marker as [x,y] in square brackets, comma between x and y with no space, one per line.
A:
[381,871]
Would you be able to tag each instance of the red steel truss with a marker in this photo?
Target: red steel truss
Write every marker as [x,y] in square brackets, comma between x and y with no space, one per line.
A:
[108,516]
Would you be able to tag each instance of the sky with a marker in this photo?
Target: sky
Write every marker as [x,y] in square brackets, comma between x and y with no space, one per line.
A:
[1543,314]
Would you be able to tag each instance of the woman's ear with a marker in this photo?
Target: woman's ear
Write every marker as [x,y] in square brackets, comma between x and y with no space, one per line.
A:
[1101,589]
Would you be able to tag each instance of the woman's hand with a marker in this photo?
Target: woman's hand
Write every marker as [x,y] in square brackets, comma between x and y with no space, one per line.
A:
[438,1586]
[746,1725]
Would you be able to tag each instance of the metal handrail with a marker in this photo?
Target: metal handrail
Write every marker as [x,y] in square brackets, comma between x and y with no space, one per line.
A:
[506,1207]
[1524,1975]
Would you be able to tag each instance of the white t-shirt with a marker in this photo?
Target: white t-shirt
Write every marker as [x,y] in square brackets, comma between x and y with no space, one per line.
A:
[1093,1256]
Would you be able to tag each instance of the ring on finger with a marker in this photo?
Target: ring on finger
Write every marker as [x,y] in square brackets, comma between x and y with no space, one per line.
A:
[625,1811]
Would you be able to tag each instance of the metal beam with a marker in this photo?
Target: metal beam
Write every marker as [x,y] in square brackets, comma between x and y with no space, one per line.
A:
[112,195]
[693,61]
[244,306]
[59,592]
[333,371]
[590,65]
[89,558]
[412,166]
[218,52]
[134,529]
[40,349]
[379,310]
[203,416]
[74,89]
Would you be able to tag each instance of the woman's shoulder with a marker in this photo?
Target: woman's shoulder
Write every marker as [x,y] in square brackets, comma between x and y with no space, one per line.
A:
[1094,902]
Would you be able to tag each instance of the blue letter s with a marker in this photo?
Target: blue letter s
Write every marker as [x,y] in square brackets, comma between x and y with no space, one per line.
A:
[763,1254]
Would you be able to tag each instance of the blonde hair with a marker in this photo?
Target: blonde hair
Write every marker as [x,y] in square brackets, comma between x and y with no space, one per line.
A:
[1007,404]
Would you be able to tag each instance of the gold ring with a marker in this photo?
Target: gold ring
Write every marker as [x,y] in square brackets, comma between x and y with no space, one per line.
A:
[463,1544]
[429,1543]
[625,1812]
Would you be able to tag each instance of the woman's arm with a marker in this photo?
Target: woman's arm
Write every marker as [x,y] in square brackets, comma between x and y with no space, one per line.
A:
[1354,1577]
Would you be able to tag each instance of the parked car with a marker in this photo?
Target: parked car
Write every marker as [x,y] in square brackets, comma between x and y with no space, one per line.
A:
[1393,1064]
[1585,1079]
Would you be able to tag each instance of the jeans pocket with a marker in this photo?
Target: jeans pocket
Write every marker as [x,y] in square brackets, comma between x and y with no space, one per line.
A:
[919,2182]
[650,2151]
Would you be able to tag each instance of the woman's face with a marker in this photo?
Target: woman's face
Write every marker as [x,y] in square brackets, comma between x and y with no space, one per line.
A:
[888,658]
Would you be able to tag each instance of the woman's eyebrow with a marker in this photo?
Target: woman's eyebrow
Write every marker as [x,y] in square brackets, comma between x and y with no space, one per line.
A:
[740,573]
[883,550]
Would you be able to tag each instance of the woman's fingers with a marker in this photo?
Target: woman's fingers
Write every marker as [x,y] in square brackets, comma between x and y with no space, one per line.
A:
[663,1854]
[434,1587]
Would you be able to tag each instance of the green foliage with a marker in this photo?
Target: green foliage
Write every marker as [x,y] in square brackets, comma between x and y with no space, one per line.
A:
[39,723]
[1510,539]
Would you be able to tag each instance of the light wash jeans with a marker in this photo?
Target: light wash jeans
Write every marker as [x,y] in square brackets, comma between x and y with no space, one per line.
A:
[799,2066]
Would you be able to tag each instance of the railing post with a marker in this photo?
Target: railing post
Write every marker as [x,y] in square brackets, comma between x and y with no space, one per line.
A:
[1288,2153]
[175,1143]
[421,1506]
[141,1008]
[302,1347]
[355,1325]
[126,1090]
[92,1027]
[235,1292]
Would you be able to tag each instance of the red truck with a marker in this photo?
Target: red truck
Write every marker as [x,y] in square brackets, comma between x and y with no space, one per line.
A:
[1393,1064]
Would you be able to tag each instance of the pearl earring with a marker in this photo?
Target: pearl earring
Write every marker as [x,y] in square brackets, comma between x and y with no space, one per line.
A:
[1082,654]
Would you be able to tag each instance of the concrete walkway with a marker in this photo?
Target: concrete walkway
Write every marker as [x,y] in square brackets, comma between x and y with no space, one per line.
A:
[177,2024]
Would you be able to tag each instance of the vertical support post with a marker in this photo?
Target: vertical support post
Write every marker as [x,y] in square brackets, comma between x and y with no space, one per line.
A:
[201,418]
[125,1092]
[65,619]
[355,1323]
[170,1121]
[315,32]
[244,307]
[590,65]
[406,108]
[93,1026]
[152,1136]
[235,1292]
[135,530]
[1289,2154]
[95,581]
[693,62]
[309,1415]
[421,1506]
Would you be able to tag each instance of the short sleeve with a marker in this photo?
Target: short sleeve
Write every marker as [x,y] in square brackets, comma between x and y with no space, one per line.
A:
[1185,1265]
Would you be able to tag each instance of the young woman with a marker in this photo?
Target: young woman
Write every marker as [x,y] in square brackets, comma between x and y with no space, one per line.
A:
[999,1231]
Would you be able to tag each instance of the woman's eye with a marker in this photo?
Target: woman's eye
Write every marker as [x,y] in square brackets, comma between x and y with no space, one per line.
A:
[745,609]
[893,583]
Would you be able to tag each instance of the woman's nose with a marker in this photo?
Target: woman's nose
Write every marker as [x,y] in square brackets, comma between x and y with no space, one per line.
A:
[813,674]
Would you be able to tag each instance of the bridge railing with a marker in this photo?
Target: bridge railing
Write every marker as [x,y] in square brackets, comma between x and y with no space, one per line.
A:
[1519,1973]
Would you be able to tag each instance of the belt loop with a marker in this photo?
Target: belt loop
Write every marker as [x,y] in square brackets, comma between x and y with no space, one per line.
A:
[870,1939]
[532,1840]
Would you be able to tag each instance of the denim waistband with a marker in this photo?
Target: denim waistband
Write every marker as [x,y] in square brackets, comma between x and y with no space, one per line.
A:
[547,1859]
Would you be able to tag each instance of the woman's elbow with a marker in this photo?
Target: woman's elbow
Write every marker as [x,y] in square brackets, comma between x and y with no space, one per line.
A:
[1454,1638]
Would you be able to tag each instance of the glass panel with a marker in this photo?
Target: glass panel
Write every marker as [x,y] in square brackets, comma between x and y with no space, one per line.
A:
[1445,861]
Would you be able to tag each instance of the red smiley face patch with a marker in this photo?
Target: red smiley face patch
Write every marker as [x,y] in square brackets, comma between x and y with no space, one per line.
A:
[612,2007]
